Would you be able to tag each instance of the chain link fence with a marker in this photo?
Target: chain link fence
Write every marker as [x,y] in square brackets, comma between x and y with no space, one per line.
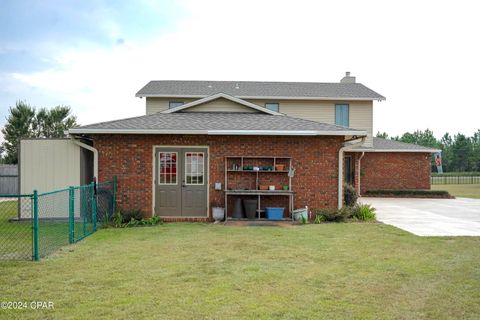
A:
[33,226]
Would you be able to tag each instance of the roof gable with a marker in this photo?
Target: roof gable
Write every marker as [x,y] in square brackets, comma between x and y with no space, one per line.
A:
[221,96]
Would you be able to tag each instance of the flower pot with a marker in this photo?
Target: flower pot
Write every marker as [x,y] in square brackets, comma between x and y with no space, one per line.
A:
[280,167]
[263,187]
[218,213]
[271,188]
[285,188]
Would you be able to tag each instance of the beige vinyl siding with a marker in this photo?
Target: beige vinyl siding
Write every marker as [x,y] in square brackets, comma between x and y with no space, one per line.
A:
[220,105]
[48,164]
[154,105]
[361,117]
[360,112]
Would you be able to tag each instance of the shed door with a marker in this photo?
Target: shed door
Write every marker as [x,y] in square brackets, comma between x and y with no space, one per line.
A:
[181,182]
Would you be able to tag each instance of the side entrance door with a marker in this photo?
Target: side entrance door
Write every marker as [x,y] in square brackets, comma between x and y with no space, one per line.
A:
[181,182]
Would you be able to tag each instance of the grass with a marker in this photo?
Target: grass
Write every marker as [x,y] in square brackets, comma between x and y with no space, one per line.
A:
[16,237]
[200,271]
[460,190]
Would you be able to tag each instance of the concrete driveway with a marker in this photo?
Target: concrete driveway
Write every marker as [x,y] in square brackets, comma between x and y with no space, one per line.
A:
[430,217]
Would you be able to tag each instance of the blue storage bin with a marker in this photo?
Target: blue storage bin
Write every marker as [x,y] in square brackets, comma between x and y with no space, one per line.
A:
[274,213]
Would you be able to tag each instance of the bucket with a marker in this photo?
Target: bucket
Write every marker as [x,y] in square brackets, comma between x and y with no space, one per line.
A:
[218,213]
[250,208]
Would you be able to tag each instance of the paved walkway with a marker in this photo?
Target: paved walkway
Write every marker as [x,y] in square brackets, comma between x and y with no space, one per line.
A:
[430,217]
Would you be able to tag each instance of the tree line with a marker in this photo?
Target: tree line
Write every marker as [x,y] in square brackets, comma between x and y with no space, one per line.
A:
[460,153]
[25,121]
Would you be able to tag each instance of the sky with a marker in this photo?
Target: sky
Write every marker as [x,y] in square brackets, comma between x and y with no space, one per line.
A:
[94,55]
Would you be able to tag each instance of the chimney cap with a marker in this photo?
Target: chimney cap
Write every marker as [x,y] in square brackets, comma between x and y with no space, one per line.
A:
[348,78]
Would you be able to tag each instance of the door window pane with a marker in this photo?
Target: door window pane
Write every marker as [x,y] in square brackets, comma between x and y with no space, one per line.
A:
[194,168]
[167,164]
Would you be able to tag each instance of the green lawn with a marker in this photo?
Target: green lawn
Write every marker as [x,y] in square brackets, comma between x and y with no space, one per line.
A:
[16,236]
[460,190]
[200,271]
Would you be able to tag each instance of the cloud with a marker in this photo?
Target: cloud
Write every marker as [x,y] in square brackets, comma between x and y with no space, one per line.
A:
[391,48]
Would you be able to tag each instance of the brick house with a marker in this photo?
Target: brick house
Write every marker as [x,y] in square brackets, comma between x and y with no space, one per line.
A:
[207,143]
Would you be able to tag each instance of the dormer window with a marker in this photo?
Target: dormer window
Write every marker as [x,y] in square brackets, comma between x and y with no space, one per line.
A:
[272,106]
[174,104]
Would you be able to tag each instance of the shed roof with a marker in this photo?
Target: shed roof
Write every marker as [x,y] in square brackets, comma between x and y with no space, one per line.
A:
[259,89]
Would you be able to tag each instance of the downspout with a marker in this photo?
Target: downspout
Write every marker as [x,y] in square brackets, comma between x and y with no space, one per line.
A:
[340,168]
[95,156]
[359,172]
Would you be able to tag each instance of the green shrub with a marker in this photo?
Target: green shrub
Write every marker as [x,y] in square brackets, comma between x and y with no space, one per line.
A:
[136,219]
[319,219]
[363,212]
[129,214]
[350,195]
[326,215]
[414,193]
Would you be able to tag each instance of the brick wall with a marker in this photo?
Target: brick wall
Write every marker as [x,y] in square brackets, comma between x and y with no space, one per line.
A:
[395,170]
[129,157]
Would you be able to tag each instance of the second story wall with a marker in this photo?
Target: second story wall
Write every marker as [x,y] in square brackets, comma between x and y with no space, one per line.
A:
[154,105]
[360,112]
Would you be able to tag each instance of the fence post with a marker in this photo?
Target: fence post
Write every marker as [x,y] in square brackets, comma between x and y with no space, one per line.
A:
[114,194]
[36,255]
[94,207]
[71,215]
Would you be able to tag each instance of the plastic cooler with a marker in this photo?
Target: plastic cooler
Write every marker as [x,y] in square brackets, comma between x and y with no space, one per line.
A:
[274,213]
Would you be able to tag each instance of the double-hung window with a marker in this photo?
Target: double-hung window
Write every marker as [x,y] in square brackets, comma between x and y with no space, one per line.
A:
[174,104]
[272,106]
[342,115]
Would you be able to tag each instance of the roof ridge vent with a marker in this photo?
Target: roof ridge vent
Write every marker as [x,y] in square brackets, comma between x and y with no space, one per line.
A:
[348,78]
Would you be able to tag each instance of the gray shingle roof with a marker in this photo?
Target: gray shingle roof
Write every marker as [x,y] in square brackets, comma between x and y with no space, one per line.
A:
[254,89]
[386,145]
[209,122]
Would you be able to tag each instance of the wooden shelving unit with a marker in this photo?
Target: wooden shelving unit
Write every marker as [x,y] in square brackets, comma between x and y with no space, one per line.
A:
[236,164]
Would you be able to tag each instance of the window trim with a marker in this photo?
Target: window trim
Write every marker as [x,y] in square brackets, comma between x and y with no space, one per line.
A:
[278,106]
[348,114]
[179,103]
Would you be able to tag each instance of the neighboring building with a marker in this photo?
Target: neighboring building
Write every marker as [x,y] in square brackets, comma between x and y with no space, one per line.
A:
[171,161]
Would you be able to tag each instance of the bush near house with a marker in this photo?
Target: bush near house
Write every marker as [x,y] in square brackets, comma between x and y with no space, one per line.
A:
[132,218]
[350,195]
[409,193]
[358,212]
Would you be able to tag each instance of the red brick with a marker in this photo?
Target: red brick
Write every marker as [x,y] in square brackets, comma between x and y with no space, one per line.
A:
[394,170]
[129,157]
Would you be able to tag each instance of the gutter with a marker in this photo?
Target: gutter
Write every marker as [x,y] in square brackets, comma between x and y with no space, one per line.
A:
[359,171]
[220,132]
[95,156]
[340,168]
